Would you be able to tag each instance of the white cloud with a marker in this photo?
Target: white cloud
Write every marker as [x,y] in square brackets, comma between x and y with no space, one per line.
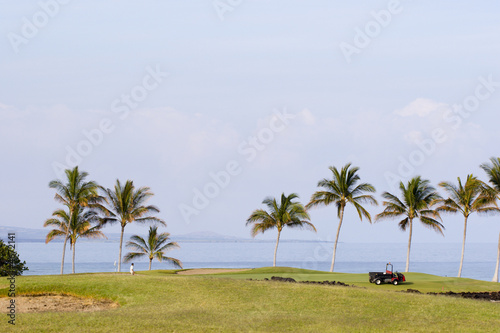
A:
[35,128]
[414,137]
[179,140]
[421,107]
[9,113]
[307,117]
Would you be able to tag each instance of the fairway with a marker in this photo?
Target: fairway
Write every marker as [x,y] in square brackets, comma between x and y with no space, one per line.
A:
[164,300]
[419,281]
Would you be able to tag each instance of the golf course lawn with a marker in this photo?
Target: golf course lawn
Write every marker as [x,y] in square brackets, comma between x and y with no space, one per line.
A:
[419,281]
[166,301]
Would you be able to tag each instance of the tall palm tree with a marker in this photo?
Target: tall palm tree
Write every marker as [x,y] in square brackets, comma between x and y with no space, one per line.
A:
[493,172]
[341,190]
[466,199]
[75,193]
[154,246]
[126,205]
[287,213]
[81,224]
[416,202]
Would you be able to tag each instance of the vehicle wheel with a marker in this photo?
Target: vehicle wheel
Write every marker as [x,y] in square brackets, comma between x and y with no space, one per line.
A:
[395,282]
[378,282]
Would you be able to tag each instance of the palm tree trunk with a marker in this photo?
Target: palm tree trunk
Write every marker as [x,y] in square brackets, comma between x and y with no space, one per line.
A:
[73,260]
[64,252]
[67,237]
[409,246]
[495,277]
[337,238]
[150,260]
[120,251]
[463,249]
[276,248]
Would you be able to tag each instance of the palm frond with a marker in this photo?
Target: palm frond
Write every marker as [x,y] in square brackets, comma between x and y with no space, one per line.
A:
[286,212]
[176,262]
[432,224]
[152,247]
[492,170]
[417,198]
[362,212]
[54,234]
[133,255]
[404,223]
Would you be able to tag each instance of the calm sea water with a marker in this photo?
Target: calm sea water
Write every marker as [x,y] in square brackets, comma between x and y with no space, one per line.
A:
[438,259]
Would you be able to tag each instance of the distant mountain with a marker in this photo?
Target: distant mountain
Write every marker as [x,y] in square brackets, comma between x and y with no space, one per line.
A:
[210,236]
[38,235]
[206,235]
[32,235]
[23,234]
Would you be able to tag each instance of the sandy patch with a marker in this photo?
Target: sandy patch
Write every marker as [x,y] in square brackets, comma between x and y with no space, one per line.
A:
[199,271]
[55,303]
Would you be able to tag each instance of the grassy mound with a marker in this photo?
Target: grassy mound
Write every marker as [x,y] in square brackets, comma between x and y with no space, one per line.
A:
[420,281]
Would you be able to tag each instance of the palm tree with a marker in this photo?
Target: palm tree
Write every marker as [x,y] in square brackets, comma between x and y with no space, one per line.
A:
[80,224]
[493,172]
[60,221]
[74,194]
[126,205]
[417,199]
[287,213]
[341,190]
[466,199]
[154,247]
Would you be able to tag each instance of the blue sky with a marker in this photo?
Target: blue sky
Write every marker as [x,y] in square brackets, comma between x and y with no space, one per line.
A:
[169,93]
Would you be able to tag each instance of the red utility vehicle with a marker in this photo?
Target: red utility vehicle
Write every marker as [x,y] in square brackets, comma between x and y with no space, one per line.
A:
[387,277]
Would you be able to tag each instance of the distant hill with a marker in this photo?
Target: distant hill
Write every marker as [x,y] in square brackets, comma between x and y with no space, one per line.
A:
[24,234]
[32,235]
[38,235]
[207,236]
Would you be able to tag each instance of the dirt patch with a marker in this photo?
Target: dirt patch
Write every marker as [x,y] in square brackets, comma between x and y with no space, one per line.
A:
[55,303]
[199,271]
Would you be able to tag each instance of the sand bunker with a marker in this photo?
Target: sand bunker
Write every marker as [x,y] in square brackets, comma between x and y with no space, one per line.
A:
[199,271]
[55,303]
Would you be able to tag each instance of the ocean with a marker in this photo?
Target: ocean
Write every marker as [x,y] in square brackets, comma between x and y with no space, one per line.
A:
[439,259]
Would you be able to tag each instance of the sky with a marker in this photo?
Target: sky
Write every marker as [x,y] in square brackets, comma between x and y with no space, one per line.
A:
[216,105]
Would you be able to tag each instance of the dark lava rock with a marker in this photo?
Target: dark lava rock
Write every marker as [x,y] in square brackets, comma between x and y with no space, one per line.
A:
[282,279]
[415,291]
[326,283]
[486,296]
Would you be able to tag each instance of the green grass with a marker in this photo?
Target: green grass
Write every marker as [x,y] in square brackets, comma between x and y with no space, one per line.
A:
[422,282]
[163,301]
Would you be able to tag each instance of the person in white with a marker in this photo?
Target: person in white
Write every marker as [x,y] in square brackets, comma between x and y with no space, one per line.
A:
[132,269]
